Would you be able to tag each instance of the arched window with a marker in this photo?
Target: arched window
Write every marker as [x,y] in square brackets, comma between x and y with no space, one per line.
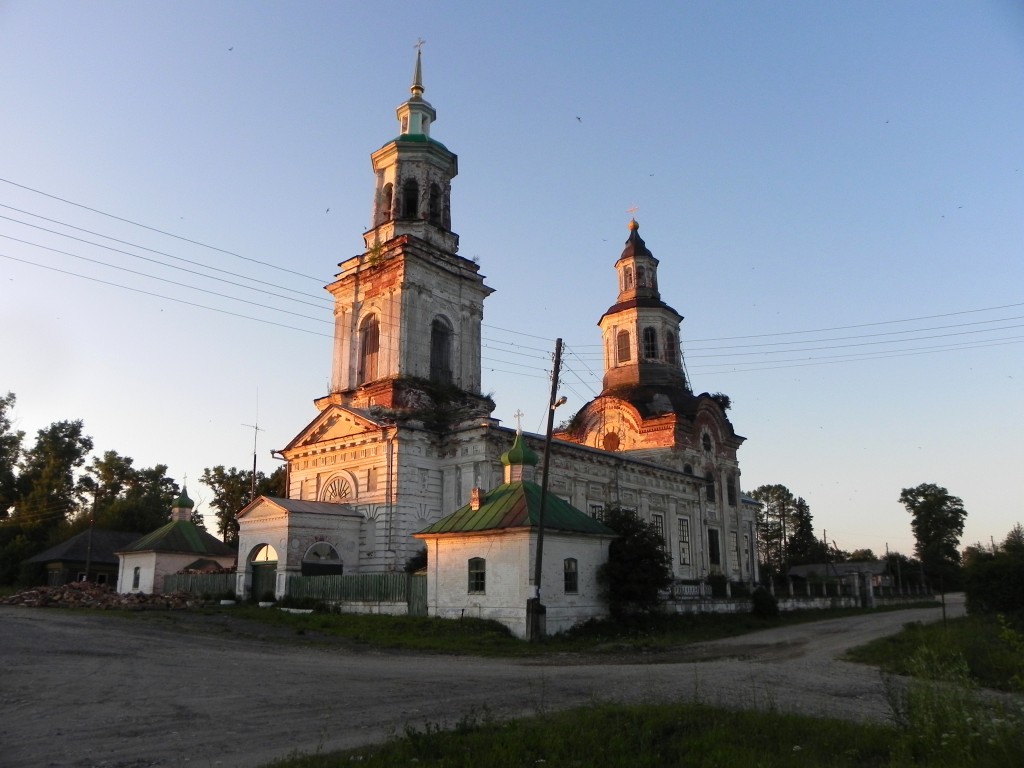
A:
[709,486]
[386,197]
[671,348]
[641,277]
[369,347]
[650,344]
[410,199]
[622,342]
[434,205]
[705,442]
[627,278]
[570,574]
[477,575]
[322,559]
[688,469]
[440,351]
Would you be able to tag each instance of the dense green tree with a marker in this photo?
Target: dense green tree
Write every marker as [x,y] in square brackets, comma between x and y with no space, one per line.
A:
[10,455]
[125,498]
[803,547]
[776,523]
[638,565]
[994,578]
[862,556]
[48,491]
[938,523]
[233,489]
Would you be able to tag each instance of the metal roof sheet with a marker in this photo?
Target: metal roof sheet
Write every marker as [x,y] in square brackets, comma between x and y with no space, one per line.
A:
[517,505]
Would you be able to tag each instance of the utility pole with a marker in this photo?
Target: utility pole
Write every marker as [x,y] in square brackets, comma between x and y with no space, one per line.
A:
[535,611]
[256,429]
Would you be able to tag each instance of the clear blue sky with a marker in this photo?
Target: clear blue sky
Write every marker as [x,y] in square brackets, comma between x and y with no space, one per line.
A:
[835,192]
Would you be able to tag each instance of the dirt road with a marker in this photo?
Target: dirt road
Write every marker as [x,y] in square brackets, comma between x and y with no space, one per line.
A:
[85,689]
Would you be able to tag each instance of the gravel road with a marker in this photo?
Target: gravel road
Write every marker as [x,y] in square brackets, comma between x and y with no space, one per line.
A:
[85,689]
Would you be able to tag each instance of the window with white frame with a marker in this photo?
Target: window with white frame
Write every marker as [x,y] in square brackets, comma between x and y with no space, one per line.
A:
[570,572]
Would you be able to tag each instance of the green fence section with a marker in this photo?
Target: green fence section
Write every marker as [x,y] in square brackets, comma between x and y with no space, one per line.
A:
[364,588]
[214,584]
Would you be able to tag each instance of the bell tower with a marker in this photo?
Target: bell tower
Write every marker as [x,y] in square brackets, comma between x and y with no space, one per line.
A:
[408,309]
[640,331]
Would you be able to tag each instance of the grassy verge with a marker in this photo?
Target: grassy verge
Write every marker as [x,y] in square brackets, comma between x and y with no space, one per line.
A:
[650,736]
[648,634]
[992,658]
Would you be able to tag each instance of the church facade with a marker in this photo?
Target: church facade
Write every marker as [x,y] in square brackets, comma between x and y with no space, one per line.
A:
[405,434]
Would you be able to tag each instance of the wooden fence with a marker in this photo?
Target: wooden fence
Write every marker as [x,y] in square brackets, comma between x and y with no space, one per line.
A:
[365,589]
[213,584]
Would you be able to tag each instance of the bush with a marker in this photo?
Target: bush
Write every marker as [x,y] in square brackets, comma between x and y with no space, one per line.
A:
[638,566]
[765,606]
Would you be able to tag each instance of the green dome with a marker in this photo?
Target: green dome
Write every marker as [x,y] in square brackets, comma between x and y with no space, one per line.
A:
[183,501]
[519,453]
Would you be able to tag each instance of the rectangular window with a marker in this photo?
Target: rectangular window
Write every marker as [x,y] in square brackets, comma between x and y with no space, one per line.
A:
[477,576]
[597,512]
[684,541]
[714,552]
[569,569]
[658,521]
[622,344]
[730,489]
[733,547]
[371,479]
[136,575]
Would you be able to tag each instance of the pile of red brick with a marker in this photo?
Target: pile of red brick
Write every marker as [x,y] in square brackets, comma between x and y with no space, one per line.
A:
[84,594]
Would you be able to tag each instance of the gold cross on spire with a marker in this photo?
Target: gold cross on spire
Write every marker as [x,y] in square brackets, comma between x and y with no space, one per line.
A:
[632,210]
[419,44]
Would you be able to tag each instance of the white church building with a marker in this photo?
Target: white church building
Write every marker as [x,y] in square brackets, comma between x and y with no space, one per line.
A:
[405,435]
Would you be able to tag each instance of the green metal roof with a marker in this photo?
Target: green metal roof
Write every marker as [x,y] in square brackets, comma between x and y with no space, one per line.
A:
[417,138]
[517,505]
[180,536]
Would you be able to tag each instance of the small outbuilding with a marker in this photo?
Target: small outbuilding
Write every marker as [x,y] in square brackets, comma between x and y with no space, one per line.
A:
[167,550]
[481,558]
[87,556]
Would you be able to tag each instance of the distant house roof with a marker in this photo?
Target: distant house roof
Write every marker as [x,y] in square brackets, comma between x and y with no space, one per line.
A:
[76,549]
[826,570]
[517,505]
[181,536]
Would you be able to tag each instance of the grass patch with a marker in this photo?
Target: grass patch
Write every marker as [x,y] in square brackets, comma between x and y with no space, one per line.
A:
[989,653]
[650,634]
[615,736]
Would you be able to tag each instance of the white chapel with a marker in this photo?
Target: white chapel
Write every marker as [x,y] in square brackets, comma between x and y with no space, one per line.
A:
[405,435]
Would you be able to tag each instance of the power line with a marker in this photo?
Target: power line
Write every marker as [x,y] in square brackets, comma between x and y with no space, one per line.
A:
[159,231]
[161,296]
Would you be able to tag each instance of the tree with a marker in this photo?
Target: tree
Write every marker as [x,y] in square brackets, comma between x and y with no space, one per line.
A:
[994,580]
[776,522]
[862,556]
[803,547]
[10,455]
[938,523]
[125,498]
[48,491]
[638,565]
[232,490]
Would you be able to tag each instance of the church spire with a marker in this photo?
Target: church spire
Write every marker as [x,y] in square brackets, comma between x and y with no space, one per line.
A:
[417,75]
[416,115]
